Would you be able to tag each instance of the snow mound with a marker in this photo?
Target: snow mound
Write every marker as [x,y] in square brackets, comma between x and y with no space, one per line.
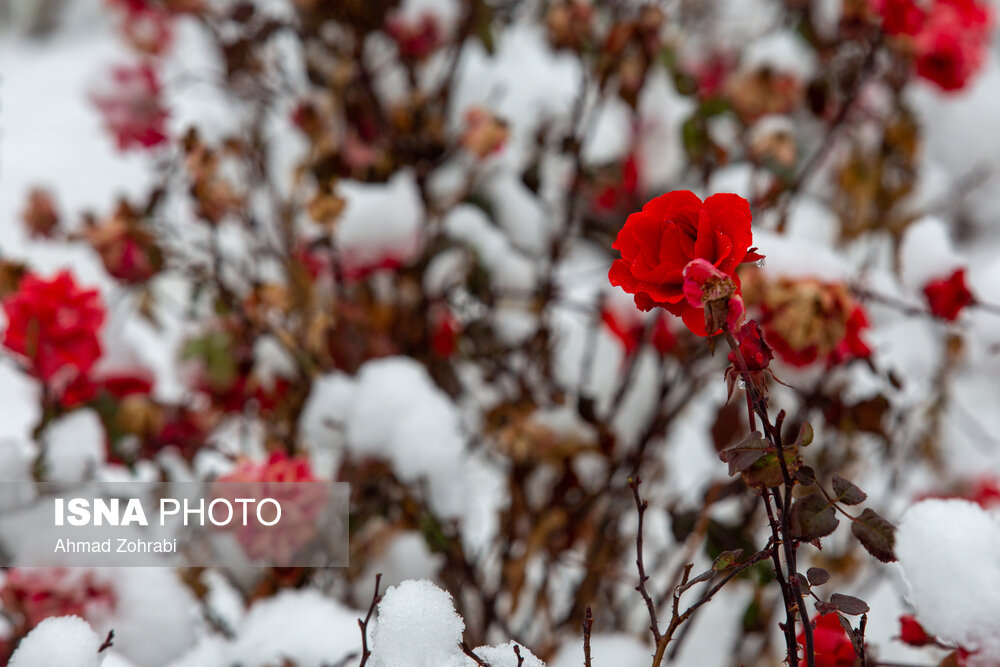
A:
[947,550]
[66,641]
[417,627]
[302,627]
[504,656]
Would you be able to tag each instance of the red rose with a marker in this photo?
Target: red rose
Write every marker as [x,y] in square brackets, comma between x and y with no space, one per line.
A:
[755,350]
[659,241]
[53,324]
[912,633]
[947,297]
[832,645]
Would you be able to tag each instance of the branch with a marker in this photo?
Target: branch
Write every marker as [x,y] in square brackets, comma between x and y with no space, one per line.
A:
[641,505]
[363,624]
[791,590]
[476,659]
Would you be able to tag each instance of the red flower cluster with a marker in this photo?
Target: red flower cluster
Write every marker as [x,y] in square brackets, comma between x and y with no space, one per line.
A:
[53,324]
[832,645]
[660,241]
[34,594]
[949,38]
[947,297]
[132,109]
[287,480]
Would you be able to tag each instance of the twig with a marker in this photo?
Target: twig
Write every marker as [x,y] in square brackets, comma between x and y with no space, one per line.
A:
[475,658]
[109,641]
[520,660]
[588,625]
[363,624]
[641,505]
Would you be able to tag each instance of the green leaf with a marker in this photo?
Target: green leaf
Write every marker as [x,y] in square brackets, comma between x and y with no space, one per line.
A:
[805,437]
[727,559]
[812,517]
[767,471]
[847,492]
[745,453]
[876,535]
[214,352]
[714,106]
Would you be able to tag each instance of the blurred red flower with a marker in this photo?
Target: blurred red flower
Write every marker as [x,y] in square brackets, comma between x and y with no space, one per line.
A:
[832,645]
[53,324]
[947,297]
[301,495]
[628,330]
[912,633]
[146,25]
[416,39]
[132,107]
[659,241]
[807,321]
[951,45]
[34,594]
[948,39]
[899,17]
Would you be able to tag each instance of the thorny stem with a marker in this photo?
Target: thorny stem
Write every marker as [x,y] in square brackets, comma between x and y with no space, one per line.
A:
[773,433]
[790,642]
[641,506]
[588,625]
